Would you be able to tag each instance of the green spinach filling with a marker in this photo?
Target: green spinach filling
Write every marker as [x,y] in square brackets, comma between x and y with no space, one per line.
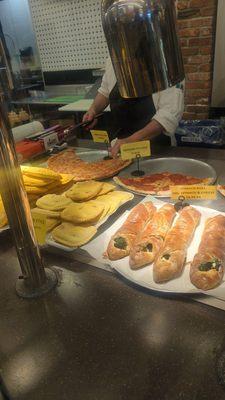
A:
[120,243]
[166,256]
[147,248]
[209,265]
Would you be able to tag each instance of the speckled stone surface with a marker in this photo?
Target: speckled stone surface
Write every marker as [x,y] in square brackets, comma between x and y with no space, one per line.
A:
[97,337]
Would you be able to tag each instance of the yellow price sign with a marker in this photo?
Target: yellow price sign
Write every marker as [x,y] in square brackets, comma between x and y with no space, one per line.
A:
[135,149]
[100,136]
[40,227]
[194,192]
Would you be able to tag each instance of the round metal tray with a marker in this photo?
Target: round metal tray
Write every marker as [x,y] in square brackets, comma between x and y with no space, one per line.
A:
[92,155]
[186,166]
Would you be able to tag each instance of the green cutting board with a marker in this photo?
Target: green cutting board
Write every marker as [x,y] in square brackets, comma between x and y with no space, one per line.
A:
[64,99]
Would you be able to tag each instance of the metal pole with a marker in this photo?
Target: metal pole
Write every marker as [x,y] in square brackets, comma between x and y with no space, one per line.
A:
[34,281]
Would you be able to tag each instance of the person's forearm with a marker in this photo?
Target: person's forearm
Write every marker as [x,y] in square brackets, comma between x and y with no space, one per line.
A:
[150,131]
[99,104]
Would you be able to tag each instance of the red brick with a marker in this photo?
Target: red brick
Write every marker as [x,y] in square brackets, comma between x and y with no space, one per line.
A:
[184,42]
[190,51]
[182,5]
[200,41]
[183,23]
[204,100]
[208,11]
[196,22]
[194,42]
[205,68]
[197,36]
[197,108]
[199,93]
[188,115]
[189,32]
[190,68]
[202,116]
[198,85]
[206,50]
[201,76]
[199,59]
[206,31]
[201,3]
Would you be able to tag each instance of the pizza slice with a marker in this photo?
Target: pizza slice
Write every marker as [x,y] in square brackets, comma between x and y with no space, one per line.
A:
[70,163]
[159,184]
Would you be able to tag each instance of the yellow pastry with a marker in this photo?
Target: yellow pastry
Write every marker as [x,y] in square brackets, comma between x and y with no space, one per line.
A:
[73,236]
[106,188]
[30,181]
[3,217]
[53,202]
[78,213]
[48,213]
[83,191]
[51,223]
[41,173]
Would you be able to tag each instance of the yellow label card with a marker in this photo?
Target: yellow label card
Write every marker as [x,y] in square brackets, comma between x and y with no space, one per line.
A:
[135,149]
[194,192]
[100,136]
[40,227]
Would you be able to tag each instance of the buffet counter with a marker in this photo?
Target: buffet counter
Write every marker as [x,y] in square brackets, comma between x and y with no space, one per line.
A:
[98,336]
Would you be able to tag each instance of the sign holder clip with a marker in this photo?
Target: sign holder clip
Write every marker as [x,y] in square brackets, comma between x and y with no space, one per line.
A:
[181,203]
[138,172]
[108,157]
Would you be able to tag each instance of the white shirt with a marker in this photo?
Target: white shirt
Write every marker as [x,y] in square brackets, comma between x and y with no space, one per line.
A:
[169,103]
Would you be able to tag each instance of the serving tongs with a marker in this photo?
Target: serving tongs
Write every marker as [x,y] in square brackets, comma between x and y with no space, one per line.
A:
[70,132]
[66,133]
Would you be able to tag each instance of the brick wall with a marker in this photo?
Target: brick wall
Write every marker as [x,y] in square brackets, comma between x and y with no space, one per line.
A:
[197,25]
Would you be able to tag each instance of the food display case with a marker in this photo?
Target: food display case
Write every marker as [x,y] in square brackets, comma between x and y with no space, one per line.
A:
[86,198]
[87,277]
[112,269]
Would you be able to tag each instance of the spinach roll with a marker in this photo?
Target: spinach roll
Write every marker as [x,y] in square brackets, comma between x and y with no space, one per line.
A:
[122,241]
[149,242]
[171,259]
[207,268]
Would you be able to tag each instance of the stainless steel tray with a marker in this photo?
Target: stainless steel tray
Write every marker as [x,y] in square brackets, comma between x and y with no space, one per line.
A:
[93,155]
[187,166]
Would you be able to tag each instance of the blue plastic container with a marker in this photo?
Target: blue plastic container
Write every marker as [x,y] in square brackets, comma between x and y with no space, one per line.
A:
[201,133]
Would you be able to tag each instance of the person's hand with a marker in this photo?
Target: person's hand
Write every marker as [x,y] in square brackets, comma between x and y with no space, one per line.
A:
[90,116]
[116,147]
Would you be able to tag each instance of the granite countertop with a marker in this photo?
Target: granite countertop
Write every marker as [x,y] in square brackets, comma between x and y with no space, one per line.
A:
[99,337]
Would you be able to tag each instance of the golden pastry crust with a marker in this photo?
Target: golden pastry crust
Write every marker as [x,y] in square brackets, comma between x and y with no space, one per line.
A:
[149,242]
[122,241]
[207,268]
[68,162]
[170,261]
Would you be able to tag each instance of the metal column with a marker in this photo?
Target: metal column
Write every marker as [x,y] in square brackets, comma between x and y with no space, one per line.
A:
[34,280]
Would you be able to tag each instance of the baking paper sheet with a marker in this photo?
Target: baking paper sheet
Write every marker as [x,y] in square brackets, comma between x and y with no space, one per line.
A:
[144,276]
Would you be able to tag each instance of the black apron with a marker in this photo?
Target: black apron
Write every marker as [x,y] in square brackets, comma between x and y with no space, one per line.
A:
[130,115]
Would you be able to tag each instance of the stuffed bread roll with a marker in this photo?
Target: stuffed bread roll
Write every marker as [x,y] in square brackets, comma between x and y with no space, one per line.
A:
[207,268]
[122,241]
[149,242]
[170,261]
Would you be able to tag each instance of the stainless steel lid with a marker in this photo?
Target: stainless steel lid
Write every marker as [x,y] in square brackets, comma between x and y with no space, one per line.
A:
[143,44]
